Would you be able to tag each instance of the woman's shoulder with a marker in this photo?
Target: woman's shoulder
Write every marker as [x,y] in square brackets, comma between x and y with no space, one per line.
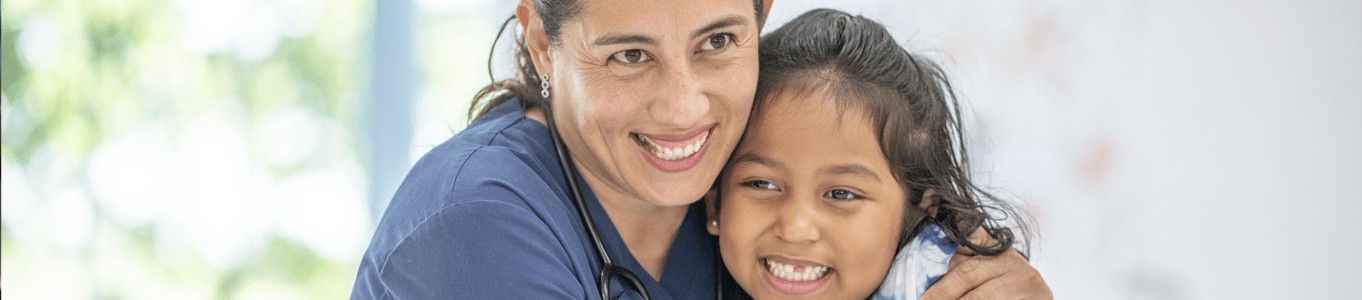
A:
[500,160]
[433,256]
[489,193]
[508,169]
[502,152]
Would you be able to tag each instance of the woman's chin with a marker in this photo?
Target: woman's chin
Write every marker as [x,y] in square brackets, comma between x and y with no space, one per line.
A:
[681,190]
[677,193]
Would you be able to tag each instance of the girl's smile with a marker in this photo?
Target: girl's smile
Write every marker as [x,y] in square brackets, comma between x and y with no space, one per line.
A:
[795,277]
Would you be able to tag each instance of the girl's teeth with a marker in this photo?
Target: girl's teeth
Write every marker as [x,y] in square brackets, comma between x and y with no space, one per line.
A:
[673,153]
[787,271]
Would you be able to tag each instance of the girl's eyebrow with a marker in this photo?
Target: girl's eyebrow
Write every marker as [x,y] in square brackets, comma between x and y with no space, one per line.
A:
[855,169]
[758,159]
[850,169]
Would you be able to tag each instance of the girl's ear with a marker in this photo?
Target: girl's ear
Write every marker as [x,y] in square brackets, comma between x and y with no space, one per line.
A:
[712,212]
[929,202]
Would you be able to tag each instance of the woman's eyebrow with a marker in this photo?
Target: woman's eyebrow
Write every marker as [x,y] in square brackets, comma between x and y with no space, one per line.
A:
[624,38]
[730,20]
[637,38]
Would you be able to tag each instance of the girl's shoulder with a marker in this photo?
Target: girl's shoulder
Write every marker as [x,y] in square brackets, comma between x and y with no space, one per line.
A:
[918,265]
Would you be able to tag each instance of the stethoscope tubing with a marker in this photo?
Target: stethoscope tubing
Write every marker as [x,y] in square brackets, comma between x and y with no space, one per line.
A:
[608,266]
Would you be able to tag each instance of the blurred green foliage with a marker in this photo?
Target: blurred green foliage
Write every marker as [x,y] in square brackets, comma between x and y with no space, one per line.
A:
[78,74]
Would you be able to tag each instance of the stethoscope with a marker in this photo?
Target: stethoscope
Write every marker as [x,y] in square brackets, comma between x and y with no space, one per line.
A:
[608,267]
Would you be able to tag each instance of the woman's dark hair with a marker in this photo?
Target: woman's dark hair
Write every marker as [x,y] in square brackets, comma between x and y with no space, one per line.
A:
[911,104]
[523,85]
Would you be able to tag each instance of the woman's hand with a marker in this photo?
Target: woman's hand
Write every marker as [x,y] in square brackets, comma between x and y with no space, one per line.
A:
[1006,276]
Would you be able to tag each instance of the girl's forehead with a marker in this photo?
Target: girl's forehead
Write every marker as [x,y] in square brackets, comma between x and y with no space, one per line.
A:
[809,115]
[815,105]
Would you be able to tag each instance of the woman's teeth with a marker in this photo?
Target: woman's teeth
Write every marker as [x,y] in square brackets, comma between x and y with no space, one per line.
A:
[788,272]
[676,153]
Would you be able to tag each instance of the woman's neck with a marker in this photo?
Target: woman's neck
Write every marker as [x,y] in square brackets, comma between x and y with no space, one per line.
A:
[648,230]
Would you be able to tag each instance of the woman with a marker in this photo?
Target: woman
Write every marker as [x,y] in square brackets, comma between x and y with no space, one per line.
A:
[650,98]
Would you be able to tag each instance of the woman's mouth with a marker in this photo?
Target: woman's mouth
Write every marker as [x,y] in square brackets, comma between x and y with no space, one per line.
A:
[795,277]
[674,153]
[674,150]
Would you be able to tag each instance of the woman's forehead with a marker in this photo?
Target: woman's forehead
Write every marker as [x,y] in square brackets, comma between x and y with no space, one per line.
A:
[658,18]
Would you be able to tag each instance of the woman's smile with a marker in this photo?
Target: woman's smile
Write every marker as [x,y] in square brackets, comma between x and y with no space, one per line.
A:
[674,152]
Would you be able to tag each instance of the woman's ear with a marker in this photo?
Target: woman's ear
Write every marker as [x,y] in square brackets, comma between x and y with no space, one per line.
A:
[765,14]
[535,39]
[712,212]
[929,202]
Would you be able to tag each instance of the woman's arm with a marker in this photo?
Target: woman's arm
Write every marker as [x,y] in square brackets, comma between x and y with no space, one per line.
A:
[480,250]
[1006,276]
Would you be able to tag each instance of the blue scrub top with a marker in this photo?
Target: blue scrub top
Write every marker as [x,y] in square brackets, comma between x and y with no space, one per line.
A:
[487,215]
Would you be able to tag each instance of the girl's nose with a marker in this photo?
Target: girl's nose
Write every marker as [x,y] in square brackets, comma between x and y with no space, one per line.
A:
[798,222]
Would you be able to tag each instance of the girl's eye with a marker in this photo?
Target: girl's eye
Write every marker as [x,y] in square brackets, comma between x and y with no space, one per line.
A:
[840,194]
[631,56]
[761,184]
[718,41]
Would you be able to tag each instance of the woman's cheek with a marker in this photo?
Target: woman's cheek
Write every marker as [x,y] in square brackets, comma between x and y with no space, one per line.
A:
[610,101]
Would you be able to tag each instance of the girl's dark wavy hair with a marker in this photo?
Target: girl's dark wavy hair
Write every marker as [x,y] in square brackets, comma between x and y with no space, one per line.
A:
[525,83]
[909,101]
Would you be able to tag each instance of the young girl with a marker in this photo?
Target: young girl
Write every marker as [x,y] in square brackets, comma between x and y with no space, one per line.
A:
[853,149]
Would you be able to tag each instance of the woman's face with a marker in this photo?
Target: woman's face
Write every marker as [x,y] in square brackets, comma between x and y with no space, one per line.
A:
[652,96]
[809,207]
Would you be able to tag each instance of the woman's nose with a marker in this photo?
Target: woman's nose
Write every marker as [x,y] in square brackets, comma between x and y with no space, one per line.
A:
[681,101]
[797,222]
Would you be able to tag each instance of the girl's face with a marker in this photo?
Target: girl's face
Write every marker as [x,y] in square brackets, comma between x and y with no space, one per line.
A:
[651,96]
[809,207]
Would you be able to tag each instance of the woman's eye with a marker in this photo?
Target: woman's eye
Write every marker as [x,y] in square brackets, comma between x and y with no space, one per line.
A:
[761,184]
[840,194]
[631,56]
[718,41]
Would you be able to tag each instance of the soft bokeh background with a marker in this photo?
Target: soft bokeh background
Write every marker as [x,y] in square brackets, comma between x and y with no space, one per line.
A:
[243,149]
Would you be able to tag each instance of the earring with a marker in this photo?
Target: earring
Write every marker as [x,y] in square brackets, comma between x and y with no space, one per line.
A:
[544,86]
[715,223]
